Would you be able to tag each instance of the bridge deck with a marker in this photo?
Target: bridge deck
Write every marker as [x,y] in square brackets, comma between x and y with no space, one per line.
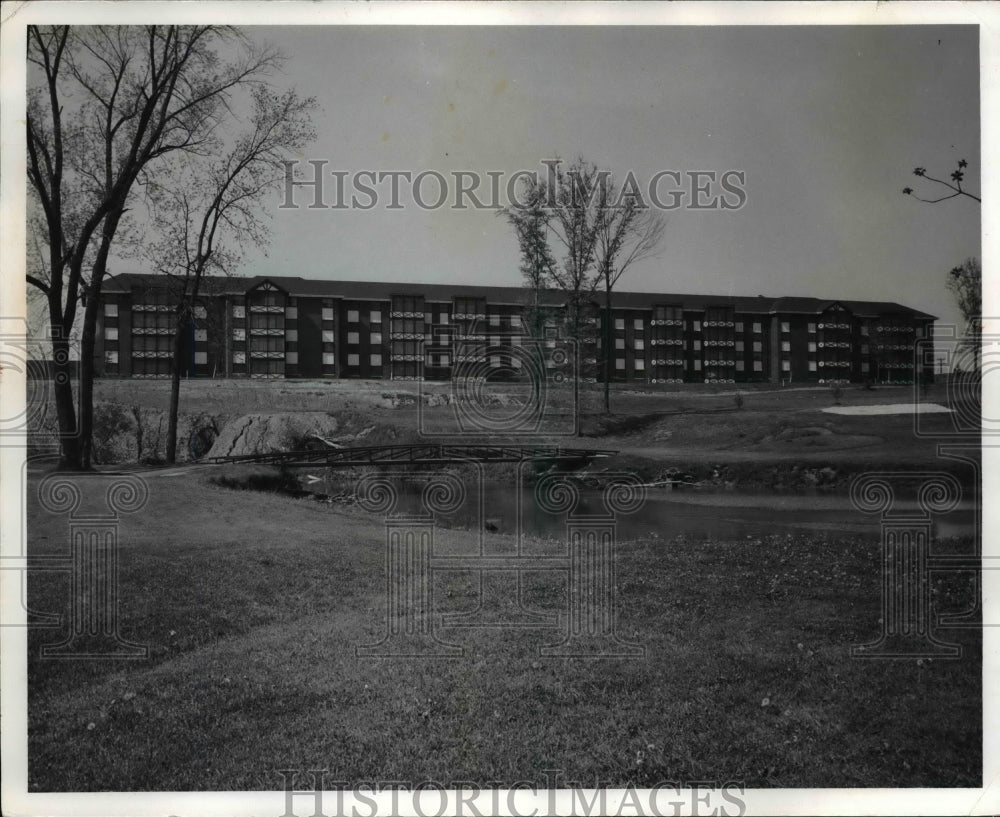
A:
[423,454]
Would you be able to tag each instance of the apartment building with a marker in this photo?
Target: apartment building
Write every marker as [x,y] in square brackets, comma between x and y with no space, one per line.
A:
[282,326]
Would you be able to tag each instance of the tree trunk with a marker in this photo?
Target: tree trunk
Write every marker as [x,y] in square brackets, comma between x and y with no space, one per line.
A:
[88,339]
[608,338]
[62,387]
[175,392]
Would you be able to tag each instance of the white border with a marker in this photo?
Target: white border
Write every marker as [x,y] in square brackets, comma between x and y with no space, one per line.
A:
[14,17]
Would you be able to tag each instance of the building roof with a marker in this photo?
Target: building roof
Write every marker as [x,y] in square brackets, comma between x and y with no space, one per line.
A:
[384,290]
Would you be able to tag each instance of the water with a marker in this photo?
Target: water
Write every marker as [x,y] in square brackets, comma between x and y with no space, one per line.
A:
[695,514]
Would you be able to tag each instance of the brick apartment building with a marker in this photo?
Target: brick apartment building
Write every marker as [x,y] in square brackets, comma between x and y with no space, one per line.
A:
[280,326]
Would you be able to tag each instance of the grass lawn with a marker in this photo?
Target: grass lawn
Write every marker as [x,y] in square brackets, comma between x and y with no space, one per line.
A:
[252,605]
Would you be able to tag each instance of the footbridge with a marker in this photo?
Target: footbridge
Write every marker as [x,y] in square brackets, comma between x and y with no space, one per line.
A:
[420,454]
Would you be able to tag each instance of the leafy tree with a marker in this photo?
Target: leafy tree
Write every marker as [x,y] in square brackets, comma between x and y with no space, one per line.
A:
[104,105]
[965,282]
[531,229]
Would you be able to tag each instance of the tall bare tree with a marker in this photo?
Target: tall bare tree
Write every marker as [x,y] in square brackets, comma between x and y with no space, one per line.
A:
[104,104]
[206,214]
[627,231]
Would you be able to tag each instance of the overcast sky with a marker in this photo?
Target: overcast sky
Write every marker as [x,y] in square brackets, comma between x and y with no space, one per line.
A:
[827,123]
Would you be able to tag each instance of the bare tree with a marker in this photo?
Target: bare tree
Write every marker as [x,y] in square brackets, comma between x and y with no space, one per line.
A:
[105,103]
[207,214]
[627,232]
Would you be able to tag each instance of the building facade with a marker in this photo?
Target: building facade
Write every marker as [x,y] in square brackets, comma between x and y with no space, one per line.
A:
[279,326]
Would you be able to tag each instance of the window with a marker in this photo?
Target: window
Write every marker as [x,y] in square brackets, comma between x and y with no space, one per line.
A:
[111,357]
[292,312]
[812,365]
[354,360]
[786,326]
[111,310]
[697,365]
[239,334]
[443,319]
[375,317]
[293,335]
[494,360]
[620,364]
[786,346]
[352,315]
[739,326]
[758,346]
[812,328]
[740,365]
[758,366]
[864,348]
[697,326]
[111,333]
[444,360]
[786,365]
[494,320]
[376,359]
[353,338]
[516,362]
[619,343]
[811,346]
[640,343]
[376,339]
[640,365]
[239,357]
[328,314]
[200,312]
[428,317]
[739,346]
[864,368]
[756,327]
[620,324]
[494,340]
[697,345]
[200,358]
[637,324]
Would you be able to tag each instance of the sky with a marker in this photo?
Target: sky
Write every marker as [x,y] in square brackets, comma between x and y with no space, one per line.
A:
[826,123]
